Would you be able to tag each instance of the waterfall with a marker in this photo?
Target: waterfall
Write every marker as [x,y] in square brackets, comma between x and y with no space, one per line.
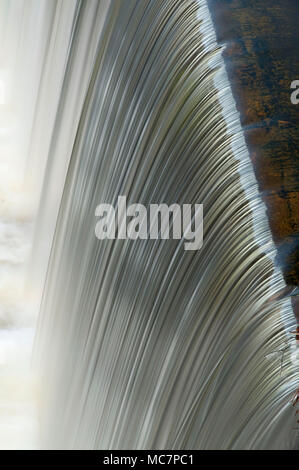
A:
[142,344]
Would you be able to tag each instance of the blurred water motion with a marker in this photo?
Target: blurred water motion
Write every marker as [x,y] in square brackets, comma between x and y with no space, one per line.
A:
[142,344]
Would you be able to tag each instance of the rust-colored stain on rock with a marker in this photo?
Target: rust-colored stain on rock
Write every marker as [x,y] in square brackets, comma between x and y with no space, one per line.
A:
[261,39]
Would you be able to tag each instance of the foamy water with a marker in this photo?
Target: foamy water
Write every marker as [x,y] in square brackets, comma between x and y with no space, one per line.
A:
[18,423]
[18,416]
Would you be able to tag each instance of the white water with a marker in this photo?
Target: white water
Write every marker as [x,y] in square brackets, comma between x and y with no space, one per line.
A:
[18,414]
[35,37]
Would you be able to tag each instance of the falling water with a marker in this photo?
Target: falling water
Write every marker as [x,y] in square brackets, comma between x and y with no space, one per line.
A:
[19,76]
[141,344]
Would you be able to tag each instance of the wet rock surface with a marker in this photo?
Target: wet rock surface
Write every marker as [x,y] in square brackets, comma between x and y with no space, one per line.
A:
[261,40]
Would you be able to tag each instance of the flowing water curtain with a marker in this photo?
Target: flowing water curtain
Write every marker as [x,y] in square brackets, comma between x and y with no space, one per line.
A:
[142,344]
[28,30]
[67,64]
